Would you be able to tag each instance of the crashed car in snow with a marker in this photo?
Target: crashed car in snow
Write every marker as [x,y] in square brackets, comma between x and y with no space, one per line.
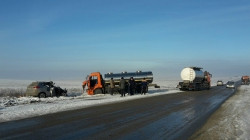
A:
[45,89]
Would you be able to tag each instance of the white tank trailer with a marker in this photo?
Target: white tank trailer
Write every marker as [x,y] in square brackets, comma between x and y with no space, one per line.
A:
[194,79]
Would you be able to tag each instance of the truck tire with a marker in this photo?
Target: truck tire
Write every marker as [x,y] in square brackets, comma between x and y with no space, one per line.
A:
[98,91]
[42,95]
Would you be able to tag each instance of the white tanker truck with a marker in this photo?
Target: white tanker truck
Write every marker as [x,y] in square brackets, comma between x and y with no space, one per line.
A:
[194,79]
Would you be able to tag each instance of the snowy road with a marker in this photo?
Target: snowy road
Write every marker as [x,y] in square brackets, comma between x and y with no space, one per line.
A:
[231,120]
[169,116]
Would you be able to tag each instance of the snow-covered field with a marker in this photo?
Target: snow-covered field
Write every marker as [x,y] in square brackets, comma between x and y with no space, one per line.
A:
[231,120]
[14,108]
[18,87]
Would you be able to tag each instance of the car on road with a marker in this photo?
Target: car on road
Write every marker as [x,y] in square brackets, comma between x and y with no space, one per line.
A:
[44,89]
[219,83]
[230,84]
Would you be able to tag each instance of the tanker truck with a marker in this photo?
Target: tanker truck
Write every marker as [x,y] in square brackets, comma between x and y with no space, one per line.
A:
[96,84]
[245,80]
[194,79]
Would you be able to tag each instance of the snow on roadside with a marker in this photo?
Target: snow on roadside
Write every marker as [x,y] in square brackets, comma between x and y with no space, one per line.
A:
[231,120]
[36,107]
[12,108]
[242,103]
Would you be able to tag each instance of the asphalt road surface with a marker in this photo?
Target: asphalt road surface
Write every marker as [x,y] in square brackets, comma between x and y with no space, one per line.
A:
[172,116]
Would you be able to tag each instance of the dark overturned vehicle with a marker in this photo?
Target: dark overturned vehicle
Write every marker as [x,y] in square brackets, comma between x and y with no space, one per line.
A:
[45,89]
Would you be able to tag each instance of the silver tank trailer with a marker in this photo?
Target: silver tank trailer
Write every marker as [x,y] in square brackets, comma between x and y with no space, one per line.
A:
[138,76]
[192,74]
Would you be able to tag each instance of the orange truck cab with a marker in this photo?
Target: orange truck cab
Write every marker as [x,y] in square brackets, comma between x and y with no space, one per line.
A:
[245,80]
[95,84]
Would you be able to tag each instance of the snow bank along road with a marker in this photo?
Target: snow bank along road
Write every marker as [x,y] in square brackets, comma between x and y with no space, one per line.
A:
[231,120]
[169,116]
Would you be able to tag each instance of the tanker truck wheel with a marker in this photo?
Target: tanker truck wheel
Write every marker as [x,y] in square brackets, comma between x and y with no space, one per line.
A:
[98,91]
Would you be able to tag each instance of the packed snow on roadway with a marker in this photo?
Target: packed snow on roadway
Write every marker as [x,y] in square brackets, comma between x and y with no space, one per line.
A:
[14,108]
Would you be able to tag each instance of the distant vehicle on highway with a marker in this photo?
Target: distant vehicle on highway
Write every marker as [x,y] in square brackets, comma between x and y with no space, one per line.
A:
[44,89]
[245,80]
[230,84]
[219,83]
